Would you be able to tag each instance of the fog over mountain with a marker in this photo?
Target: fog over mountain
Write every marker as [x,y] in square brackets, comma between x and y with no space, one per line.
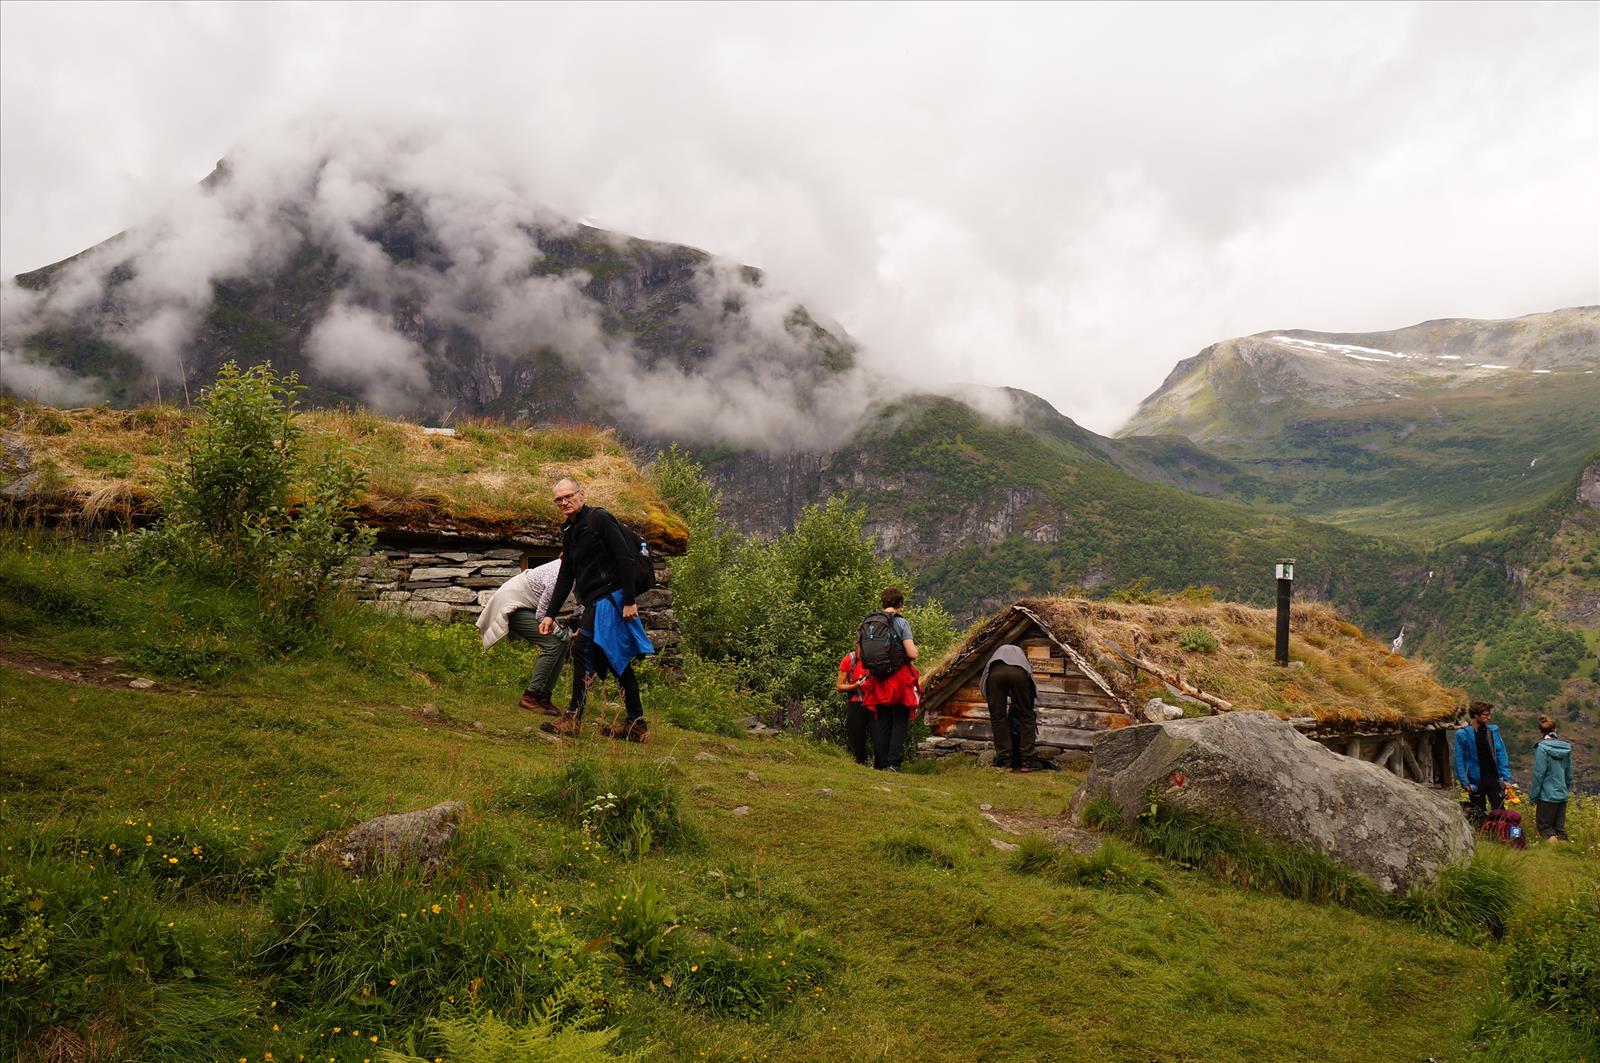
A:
[1064,199]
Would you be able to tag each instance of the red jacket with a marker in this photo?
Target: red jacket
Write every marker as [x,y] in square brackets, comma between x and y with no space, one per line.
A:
[901,688]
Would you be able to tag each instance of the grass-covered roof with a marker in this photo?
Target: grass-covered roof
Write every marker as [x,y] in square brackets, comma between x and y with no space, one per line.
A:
[486,480]
[1341,677]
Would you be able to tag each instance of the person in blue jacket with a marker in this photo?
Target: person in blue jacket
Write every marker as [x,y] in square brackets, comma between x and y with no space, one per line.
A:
[1552,782]
[1481,763]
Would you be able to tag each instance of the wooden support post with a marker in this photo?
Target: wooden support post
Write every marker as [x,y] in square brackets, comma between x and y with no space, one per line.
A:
[1413,766]
[1389,753]
[1352,748]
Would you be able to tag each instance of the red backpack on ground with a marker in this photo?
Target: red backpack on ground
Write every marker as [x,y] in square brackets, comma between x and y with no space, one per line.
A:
[1505,827]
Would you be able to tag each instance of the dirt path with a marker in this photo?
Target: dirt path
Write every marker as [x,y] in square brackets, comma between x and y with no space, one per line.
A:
[100,673]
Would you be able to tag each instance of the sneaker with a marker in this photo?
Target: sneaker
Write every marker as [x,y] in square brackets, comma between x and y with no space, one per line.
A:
[538,703]
[567,724]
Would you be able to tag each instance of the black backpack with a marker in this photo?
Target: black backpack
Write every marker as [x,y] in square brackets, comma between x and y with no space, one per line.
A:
[883,653]
[644,567]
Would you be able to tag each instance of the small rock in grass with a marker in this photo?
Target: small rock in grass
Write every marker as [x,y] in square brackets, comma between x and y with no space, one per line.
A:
[825,791]
[703,755]
[741,810]
[986,807]
[477,725]
[141,683]
[367,714]
[430,709]
[751,776]
[1003,846]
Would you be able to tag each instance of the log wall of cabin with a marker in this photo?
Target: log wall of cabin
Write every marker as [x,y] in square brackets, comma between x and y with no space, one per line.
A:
[1071,708]
[1419,755]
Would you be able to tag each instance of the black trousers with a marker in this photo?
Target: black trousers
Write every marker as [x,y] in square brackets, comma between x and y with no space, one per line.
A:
[1011,685]
[1551,817]
[590,662]
[855,730]
[889,723]
[1482,802]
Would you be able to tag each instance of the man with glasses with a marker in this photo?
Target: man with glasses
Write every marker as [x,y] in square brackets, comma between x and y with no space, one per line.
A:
[597,560]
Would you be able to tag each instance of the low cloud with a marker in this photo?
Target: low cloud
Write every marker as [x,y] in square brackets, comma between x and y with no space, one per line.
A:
[27,379]
[360,349]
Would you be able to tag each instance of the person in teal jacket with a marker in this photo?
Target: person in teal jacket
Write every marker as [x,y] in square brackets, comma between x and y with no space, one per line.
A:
[1552,781]
[1478,746]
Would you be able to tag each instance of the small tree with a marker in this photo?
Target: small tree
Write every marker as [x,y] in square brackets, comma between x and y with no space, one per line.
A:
[245,504]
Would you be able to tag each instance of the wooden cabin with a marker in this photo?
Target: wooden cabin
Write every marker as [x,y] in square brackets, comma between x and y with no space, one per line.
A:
[1099,664]
[1075,702]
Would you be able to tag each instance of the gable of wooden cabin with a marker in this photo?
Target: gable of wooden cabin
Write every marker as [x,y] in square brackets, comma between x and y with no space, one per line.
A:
[1071,706]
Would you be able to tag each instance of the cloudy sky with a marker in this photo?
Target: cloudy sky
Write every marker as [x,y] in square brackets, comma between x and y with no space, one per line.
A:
[1063,198]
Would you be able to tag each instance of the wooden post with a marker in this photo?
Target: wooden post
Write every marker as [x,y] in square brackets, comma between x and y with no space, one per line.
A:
[1285,572]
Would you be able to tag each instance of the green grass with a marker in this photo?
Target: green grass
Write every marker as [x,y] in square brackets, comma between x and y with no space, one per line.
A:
[821,923]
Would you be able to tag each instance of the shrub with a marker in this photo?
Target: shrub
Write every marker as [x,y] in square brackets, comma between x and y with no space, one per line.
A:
[388,947]
[227,504]
[639,922]
[630,807]
[1553,957]
[1197,640]
[1114,866]
[483,1037]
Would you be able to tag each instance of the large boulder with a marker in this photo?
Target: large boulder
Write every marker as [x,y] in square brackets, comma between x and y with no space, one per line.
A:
[1256,769]
[420,838]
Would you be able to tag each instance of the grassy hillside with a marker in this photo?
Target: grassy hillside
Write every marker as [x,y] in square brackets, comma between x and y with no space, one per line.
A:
[935,475]
[818,911]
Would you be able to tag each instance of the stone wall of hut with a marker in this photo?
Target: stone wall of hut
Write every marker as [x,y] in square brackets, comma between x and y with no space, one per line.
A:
[453,581]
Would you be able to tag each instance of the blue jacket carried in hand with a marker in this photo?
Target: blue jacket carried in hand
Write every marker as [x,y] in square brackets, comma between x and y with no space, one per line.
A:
[1552,770]
[1467,756]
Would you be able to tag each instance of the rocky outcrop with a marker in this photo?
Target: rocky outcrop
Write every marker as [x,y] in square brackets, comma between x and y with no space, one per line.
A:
[1589,486]
[420,839]
[1256,769]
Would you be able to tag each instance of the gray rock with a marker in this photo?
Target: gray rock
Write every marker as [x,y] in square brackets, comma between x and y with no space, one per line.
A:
[420,838]
[751,776]
[394,596]
[457,595]
[460,557]
[1004,846]
[454,572]
[415,610]
[503,554]
[703,755]
[1255,769]
[483,598]
[500,571]
[1157,711]
[741,810]
[141,683]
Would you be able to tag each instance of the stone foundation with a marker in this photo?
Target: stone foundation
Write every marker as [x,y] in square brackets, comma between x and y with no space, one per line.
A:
[453,581]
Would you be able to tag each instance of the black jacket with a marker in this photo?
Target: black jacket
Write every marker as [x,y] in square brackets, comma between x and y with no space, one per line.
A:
[595,556]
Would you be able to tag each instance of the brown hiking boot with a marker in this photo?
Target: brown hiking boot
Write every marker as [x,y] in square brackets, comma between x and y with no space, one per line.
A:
[567,724]
[539,703]
[637,731]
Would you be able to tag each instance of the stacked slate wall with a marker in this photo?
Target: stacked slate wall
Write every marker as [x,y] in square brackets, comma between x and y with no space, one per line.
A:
[447,580]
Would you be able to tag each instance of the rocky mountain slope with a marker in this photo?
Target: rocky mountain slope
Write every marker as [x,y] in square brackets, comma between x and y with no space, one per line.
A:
[1432,431]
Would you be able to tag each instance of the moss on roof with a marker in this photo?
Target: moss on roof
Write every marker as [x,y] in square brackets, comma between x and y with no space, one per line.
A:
[1346,679]
[488,479]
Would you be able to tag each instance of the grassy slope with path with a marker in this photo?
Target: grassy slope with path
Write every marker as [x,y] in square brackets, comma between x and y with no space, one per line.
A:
[970,961]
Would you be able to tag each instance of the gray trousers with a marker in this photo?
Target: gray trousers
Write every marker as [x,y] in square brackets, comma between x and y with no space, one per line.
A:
[524,624]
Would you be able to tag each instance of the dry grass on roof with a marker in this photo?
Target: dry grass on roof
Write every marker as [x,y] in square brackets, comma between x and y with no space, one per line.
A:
[1348,678]
[100,461]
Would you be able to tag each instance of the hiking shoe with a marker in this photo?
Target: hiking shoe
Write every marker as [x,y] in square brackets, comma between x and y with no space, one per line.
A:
[538,703]
[567,724]
[637,731]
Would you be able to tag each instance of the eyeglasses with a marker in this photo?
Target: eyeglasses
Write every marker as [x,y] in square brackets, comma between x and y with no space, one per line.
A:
[560,499]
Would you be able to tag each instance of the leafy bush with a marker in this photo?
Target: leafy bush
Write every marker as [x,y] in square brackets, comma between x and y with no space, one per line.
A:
[629,807]
[227,505]
[483,1037]
[705,697]
[1114,866]
[640,921]
[1197,640]
[1553,957]
[782,611]
[390,949]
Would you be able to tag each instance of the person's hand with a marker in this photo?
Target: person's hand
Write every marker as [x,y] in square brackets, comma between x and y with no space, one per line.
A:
[546,625]
[630,612]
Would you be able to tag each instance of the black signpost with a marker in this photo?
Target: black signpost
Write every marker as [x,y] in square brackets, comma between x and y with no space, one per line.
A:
[1285,588]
